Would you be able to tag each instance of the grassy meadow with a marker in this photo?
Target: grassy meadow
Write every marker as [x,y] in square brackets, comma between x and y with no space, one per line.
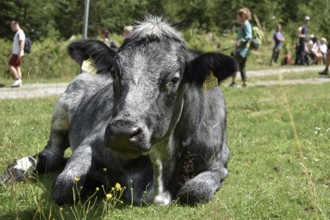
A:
[279,166]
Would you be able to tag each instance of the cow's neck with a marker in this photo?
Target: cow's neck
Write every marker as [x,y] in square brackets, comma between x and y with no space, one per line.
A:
[163,157]
[163,160]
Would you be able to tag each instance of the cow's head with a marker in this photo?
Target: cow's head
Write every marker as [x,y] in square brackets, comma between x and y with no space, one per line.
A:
[149,72]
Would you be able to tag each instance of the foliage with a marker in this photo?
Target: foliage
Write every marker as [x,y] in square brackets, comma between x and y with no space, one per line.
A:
[64,18]
[278,136]
[204,23]
[47,60]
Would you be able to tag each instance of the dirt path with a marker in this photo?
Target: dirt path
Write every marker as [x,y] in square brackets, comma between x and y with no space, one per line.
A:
[29,91]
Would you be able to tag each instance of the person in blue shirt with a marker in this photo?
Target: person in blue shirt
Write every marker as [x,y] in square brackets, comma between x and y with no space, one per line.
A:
[242,43]
[278,43]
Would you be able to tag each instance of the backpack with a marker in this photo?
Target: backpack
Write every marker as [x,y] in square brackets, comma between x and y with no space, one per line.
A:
[27,45]
[256,38]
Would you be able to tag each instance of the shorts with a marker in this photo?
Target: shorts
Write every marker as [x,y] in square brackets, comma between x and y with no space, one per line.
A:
[15,60]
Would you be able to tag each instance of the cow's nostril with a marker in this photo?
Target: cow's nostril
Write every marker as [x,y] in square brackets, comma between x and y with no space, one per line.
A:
[126,138]
[136,133]
[125,135]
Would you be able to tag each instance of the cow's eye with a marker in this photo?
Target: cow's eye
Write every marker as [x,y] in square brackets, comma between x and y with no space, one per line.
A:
[174,81]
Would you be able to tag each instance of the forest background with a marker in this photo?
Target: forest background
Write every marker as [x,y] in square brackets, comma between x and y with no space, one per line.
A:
[61,19]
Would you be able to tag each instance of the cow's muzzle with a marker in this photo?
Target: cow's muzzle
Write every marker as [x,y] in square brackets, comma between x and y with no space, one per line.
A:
[126,137]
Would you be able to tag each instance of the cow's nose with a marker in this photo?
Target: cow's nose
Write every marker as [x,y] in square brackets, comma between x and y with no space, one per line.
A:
[125,135]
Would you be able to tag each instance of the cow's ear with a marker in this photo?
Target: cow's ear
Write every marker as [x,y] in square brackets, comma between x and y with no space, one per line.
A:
[222,66]
[97,51]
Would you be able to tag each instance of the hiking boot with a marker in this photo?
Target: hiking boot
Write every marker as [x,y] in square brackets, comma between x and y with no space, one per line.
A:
[17,83]
[324,73]
[233,85]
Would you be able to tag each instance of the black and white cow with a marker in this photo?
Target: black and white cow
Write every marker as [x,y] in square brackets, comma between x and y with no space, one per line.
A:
[145,117]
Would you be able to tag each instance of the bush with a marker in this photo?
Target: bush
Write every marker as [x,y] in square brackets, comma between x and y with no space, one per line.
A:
[48,60]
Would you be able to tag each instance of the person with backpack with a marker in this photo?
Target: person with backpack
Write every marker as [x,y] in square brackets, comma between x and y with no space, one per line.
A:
[242,44]
[17,54]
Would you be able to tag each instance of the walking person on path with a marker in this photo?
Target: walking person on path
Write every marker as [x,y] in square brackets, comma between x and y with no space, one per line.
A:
[242,44]
[325,72]
[17,53]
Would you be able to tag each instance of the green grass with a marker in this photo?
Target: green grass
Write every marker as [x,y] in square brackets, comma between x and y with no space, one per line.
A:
[270,164]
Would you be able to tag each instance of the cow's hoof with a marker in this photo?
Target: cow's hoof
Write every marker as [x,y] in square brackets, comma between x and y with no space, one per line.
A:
[193,197]
[48,160]
[65,192]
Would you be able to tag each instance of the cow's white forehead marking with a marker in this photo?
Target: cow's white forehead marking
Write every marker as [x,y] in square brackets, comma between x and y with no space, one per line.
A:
[139,62]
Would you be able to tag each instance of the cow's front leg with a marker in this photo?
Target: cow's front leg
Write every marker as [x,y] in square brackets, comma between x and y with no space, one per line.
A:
[51,158]
[74,175]
[202,187]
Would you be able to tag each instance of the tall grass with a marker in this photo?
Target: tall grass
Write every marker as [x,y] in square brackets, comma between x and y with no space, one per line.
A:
[279,141]
[48,60]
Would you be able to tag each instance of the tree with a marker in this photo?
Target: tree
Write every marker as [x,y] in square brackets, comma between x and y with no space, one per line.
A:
[42,19]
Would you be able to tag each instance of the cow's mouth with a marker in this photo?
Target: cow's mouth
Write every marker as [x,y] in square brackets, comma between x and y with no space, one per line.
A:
[128,153]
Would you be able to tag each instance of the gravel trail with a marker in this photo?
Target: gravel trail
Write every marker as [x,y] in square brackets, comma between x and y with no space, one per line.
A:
[29,91]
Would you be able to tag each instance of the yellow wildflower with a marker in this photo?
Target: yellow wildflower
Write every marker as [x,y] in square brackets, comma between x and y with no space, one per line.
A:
[118,186]
[109,196]
[76,179]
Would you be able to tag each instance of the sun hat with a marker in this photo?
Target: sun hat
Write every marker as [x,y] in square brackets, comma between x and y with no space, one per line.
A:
[307,18]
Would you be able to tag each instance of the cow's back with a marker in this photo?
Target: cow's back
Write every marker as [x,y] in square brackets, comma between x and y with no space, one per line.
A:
[89,101]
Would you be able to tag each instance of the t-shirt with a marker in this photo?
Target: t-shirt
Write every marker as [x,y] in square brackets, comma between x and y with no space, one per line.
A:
[323,48]
[302,40]
[244,35]
[277,42]
[18,37]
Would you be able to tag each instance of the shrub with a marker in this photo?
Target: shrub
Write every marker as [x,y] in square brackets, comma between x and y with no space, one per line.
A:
[48,60]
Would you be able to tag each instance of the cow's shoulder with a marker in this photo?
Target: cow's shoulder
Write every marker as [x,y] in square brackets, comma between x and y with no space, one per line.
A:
[84,87]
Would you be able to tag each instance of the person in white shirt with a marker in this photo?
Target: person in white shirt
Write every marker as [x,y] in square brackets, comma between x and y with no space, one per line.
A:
[17,54]
[325,72]
[323,48]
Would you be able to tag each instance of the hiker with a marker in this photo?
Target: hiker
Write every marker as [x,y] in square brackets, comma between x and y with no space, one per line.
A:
[105,35]
[127,30]
[323,48]
[278,43]
[242,44]
[301,58]
[325,72]
[17,53]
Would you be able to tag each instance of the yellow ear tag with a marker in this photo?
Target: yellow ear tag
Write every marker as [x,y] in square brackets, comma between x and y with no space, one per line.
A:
[210,82]
[88,66]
